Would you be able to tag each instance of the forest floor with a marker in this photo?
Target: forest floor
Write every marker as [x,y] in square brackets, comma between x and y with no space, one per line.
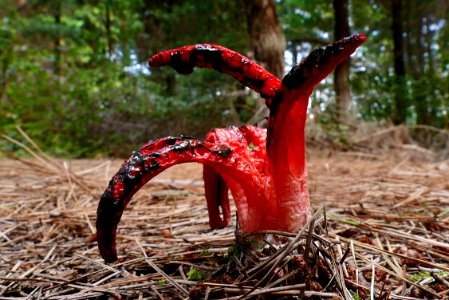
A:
[381,232]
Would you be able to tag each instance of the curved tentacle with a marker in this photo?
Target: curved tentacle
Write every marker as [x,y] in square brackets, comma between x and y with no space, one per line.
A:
[288,113]
[216,187]
[319,63]
[217,197]
[154,158]
[298,84]
[224,60]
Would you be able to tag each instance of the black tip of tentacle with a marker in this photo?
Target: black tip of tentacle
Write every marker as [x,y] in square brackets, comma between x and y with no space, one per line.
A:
[328,56]
[209,55]
[107,209]
[184,68]
[300,73]
[200,55]
[206,54]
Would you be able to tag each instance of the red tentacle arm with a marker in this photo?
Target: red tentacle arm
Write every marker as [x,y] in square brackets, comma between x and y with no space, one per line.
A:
[288,113]
[224,60]
[224,150]
[253,211]
[291,102]
[265,170]
[217,197]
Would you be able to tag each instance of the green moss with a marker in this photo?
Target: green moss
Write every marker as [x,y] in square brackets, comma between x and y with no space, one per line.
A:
[161,282]
[195,275]
[419,276]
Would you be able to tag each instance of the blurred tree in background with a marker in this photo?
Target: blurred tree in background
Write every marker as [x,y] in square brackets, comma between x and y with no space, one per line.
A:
[73,73]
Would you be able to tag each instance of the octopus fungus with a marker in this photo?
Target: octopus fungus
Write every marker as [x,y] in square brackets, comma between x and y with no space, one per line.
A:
[264,169]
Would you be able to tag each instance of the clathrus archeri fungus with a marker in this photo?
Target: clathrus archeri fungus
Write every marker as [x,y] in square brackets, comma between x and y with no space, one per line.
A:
[265,169]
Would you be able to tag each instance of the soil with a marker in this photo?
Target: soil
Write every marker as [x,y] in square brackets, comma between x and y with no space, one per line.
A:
[386,214]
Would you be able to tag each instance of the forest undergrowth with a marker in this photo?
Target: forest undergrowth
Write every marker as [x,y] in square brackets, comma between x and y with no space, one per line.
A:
[379,232]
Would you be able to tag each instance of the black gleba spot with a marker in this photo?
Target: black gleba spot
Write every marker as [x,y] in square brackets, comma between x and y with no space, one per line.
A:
[225,151]
[211,56]
[184,68]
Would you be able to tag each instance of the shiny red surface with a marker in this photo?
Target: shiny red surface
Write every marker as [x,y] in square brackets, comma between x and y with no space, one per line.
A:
[265,169]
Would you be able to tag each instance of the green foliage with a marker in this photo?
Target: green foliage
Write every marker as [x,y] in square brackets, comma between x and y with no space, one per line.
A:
[420,275]
[72,73]
[161,282]
[195,275]
[356,296]
[306,20]
[443,214]
[234,250]
[336,132]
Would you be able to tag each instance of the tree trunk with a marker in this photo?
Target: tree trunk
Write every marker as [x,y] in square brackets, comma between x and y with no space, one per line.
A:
[420,92]
[267,42]
[400,97]
[57,41]
[341,73]
[267,39]
[432,97]
[429,40]
[6,58]
[107,26]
